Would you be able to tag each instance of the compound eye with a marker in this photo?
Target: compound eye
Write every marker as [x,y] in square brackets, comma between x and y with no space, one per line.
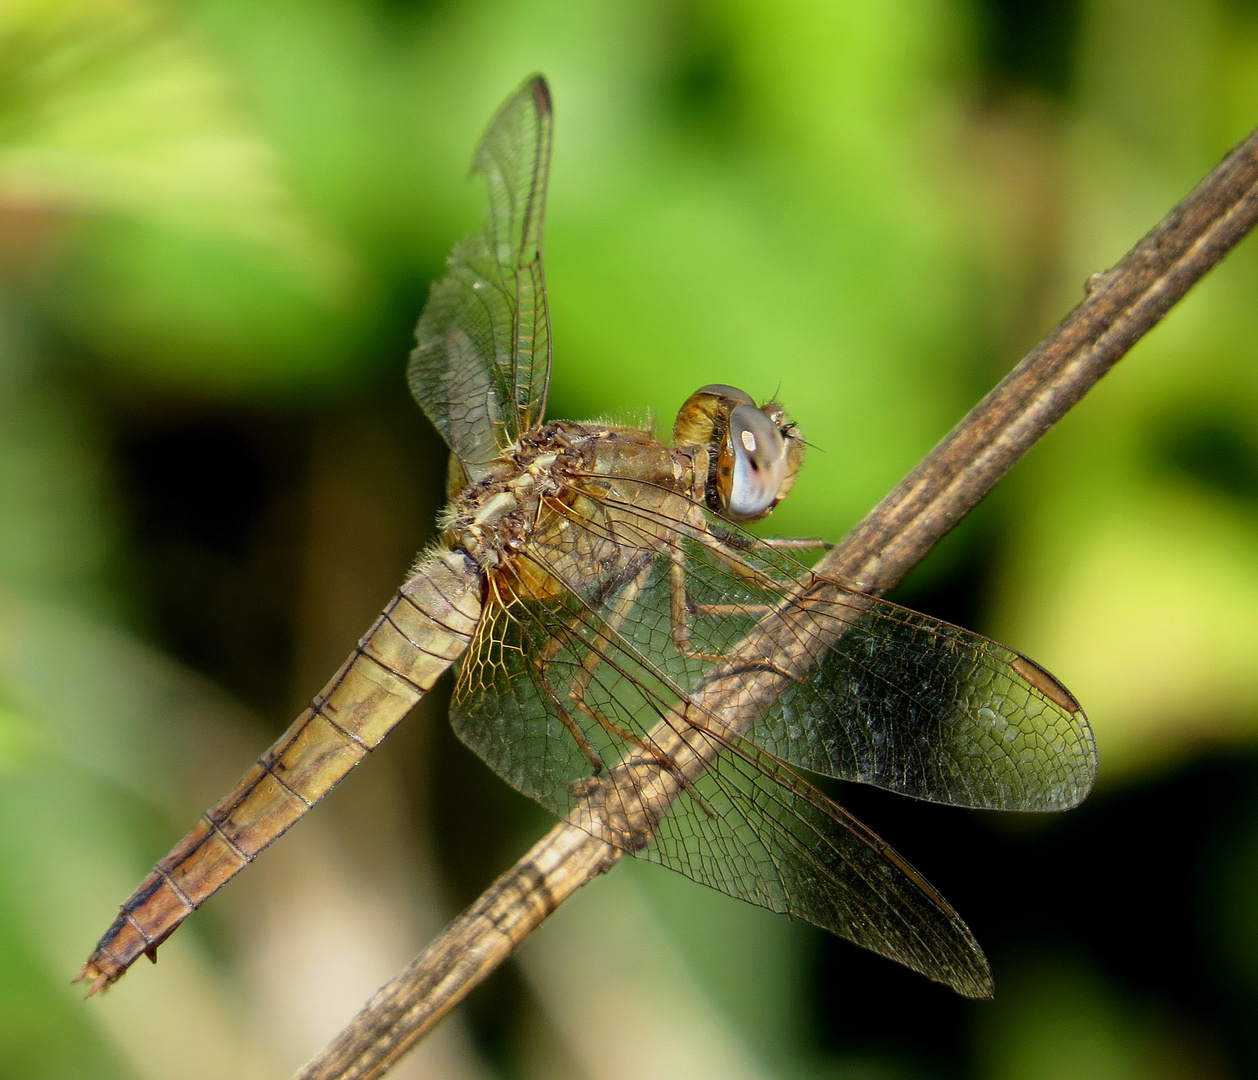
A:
[724,390]
[757,456]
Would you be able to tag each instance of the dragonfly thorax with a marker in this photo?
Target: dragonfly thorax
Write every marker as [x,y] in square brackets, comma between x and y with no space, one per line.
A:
[493,515]
[752,453]
[529,517]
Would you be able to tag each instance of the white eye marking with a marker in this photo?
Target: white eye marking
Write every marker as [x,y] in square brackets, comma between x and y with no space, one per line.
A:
[759,464]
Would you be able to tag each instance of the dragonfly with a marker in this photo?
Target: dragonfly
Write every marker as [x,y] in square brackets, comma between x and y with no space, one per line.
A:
[610,617]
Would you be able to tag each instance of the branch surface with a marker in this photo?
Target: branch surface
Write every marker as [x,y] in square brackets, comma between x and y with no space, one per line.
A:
[1121,306]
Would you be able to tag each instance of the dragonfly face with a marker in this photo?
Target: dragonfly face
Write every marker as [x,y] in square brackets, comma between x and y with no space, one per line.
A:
[632,659]
[752,454]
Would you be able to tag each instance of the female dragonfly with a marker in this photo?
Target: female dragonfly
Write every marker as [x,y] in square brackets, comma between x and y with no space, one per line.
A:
[612,622]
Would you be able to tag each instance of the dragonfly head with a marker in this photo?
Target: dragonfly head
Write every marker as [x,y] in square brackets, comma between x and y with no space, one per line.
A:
[753,453]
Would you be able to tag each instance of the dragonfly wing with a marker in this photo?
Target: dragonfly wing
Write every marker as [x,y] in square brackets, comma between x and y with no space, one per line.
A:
[924,708]
[751,828]
[877,693]
[558,687]
[482,363]
[880,694]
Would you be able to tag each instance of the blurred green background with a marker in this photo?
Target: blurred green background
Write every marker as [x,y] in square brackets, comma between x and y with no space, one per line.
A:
[218,222]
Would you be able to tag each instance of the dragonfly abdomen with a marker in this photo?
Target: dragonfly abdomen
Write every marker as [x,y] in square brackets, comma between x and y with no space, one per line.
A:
[421,632]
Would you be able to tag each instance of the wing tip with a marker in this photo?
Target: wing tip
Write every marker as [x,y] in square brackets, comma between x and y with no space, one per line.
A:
[541,94]
[977,990]
[1046,684]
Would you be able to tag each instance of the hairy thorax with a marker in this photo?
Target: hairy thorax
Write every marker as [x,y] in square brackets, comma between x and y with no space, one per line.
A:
[571,505]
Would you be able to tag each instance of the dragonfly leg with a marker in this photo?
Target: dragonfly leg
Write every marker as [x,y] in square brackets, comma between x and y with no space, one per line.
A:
[653,753]
[588,614]
[601,637]
[650,752]
[598,627]
[574,729]
[606,633]
[743,542]
[786,543]
[726,547]
[680,608]
[546,657]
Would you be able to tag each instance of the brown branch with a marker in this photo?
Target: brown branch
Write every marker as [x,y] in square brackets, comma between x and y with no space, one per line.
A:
[1122,305]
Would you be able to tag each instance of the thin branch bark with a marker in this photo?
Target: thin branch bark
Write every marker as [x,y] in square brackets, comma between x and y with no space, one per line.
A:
[1122,305]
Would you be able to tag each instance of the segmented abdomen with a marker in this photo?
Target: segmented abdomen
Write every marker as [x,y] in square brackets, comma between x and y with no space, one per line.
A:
[422,631]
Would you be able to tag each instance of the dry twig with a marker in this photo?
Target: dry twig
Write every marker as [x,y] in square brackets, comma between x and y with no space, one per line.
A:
[1121,306]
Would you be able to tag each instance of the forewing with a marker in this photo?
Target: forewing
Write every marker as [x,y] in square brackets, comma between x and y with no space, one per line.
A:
[559,686]
[924,708]
[482,363]
[883,695]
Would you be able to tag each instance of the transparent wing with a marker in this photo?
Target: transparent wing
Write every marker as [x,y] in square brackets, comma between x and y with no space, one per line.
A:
[534,706]
[920,707]
[482,363]
[883,695]
[628,638]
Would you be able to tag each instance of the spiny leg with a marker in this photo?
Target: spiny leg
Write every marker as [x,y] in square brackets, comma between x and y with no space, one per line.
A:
[570,636]
[574,729]
[739,541]
[595,657]
[588,613]
[680,608]
[608,631]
